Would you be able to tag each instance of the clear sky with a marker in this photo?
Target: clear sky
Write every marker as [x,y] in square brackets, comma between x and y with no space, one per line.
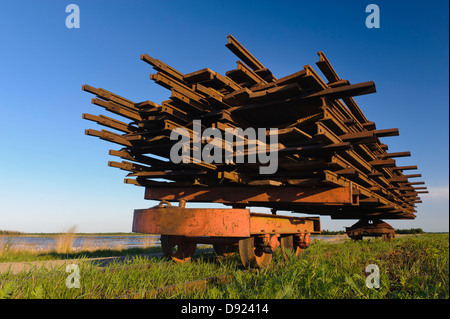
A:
[52,176]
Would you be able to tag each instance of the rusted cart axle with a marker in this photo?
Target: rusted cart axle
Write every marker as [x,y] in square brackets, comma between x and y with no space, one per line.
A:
[256,236]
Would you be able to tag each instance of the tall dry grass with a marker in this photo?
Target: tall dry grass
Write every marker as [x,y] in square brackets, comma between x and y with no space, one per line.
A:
[64,242]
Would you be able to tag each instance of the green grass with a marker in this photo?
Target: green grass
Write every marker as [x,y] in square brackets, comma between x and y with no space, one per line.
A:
[26,256]
[410,267]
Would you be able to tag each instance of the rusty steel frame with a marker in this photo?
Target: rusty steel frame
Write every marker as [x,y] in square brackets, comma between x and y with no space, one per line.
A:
[256,236]
[218,223]
[249,196]
[331,160]
[371,228]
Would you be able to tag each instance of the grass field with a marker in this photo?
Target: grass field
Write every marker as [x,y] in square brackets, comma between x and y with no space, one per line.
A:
[409,267]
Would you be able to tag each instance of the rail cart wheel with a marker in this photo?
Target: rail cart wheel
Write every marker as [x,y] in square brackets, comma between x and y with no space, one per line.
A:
[176,248]
[288,243]
[226,250]
[252,253]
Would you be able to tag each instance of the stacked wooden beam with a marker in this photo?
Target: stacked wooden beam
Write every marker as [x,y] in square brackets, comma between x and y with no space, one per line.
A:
[324,140]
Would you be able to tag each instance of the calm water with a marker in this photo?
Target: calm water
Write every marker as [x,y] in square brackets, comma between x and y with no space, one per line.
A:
[101,241]
[95,241]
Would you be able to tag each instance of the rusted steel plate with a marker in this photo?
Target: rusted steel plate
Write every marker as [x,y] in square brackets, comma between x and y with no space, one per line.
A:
[215,222]
[247,195]
[271,224]
[192,222]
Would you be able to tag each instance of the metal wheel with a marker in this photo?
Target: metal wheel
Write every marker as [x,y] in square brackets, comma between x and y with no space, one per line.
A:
[388,237]
[226,250]
[252,253]
[176,248]
[288,243]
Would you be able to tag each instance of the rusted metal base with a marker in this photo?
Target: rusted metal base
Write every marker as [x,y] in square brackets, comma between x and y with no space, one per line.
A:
[255,236]
[371,228]
[218,222]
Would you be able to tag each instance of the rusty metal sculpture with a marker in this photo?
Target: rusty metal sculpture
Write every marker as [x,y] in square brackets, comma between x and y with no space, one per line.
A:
[330,159]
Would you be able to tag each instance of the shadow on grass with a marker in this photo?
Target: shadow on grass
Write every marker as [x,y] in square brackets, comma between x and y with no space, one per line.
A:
[101,253]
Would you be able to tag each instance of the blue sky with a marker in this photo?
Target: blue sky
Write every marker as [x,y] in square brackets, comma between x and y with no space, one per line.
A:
[52,176]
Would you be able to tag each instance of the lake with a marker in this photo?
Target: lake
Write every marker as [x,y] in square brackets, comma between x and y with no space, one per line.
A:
[94,241]
[80,242]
